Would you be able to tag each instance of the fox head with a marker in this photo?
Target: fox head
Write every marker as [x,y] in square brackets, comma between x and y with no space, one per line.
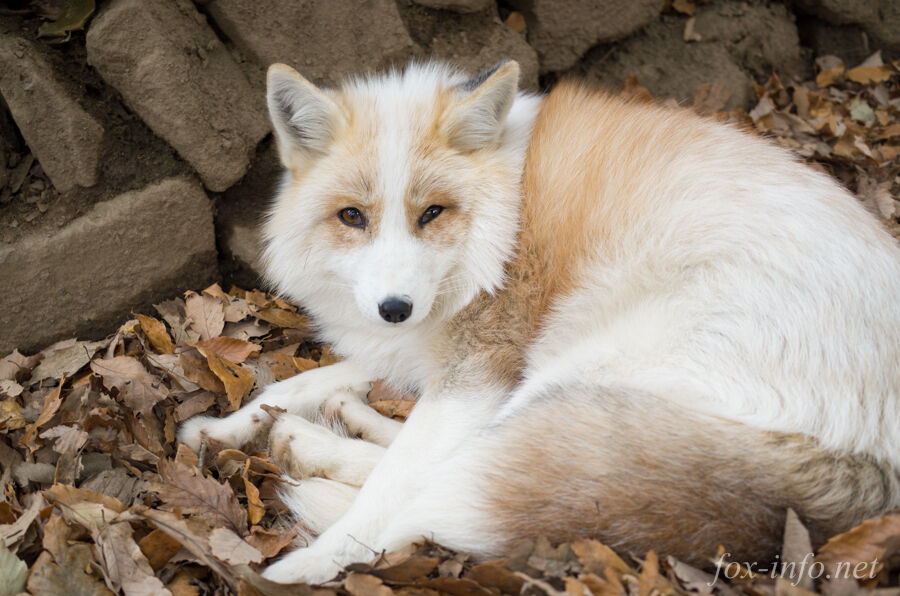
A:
[401,194]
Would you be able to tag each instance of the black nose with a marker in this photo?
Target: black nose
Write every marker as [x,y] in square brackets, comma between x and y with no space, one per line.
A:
[395,310]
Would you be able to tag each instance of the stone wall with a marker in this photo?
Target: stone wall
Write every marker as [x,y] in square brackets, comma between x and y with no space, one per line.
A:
[136,156]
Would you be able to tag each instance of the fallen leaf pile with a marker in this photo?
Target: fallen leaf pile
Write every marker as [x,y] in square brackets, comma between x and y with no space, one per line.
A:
[848,121]
[99,498]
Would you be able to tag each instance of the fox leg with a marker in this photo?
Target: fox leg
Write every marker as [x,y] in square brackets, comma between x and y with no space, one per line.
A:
[415,461]
[305,449]
[317,502]
[634,470]
[301,394]
[361,420]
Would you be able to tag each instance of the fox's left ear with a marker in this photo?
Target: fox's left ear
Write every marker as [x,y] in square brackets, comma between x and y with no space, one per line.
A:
[305,118]
[477,120]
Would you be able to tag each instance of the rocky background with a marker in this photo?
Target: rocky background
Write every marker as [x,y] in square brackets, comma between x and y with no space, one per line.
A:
[136,155]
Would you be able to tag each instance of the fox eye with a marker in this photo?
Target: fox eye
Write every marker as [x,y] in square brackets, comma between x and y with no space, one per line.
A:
[352,217]
[430,214]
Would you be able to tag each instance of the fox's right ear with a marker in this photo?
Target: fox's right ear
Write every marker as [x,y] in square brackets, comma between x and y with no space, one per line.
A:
[305,117]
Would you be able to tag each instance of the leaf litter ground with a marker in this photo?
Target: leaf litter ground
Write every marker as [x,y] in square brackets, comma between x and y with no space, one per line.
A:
[98,497]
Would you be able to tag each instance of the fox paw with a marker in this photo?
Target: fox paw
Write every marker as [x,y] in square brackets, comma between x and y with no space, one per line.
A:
[231,432]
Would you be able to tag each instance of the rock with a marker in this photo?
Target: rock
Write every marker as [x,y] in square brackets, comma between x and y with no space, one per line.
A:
[563,30]
[473,42]
[122,255]
[66,140]
[668,66]
[324,40]
[762,38]
[461,6]
[739,42]
[879,18]
[239,214]
[848,42]
[172,70]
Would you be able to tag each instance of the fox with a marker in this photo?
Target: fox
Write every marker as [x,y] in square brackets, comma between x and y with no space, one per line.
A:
[622,320]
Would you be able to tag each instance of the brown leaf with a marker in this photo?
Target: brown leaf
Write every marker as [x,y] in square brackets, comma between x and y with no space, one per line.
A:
[195,404]
[237,380]
[173,313]
[393,408]
[206,315]
[282,365]
[230,548]
[69,439]
[136,386]
[196,369]
[361,584]
[185,488]
[51,405]
[67,575]
[866,75]
[65,359]
[191,537]
[409,569]
[284,318]
[684,6]
[156,333]
[495,575]
[15,366]
[873,540]
[269,542]
[255,508]
[159,547]
[516,21]
[124,565]
[595,557]
[649,574]
[229,348]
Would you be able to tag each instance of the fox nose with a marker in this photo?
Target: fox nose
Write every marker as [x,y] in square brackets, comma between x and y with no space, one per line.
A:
[395,310]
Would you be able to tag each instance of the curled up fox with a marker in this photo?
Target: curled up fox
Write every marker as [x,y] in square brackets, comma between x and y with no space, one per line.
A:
[623,321]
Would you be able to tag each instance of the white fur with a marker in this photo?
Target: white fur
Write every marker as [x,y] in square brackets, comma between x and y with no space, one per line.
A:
[718,301]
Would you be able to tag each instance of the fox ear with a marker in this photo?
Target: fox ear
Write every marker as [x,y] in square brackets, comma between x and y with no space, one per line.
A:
[304,116]
[477,120]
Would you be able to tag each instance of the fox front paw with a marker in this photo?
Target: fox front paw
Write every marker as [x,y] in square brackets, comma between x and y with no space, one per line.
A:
[232,432]
[303,565]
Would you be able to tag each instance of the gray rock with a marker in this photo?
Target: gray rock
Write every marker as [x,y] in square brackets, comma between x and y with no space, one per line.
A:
[880,18]
[477,46]
[563,30]
[66,140]
[120,256]
[172,70]
[461,6]
[739,42]
[323,40]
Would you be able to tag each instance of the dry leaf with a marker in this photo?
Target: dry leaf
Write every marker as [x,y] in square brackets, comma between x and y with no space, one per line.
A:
[237,380]
[156,333]
[868,544]
[136,386]
[229,348]
[269,542]
[230,548]
[398,409]
[255,508]
[361,584]
[205,314]
[52,402]
[284,318]
[159,547]
[69,439]
[186,489]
